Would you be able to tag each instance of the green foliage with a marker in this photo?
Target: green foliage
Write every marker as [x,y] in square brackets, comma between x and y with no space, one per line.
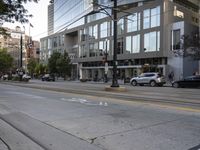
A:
[192,45]
[32,62]
[40,69]
[6,61]
[13,10]
[59,64]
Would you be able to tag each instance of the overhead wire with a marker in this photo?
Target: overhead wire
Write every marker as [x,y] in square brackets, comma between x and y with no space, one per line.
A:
[65,25]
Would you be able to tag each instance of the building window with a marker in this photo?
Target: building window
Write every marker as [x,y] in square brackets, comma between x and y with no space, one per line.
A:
[120,26]
[105,29]
[83,36]
[50,43]
[128,44]
[133,44]
[146,20]
[82,51]
[178,13]
[120,46]
[93,32]
[133,23]
[152,41]
[176,36]
[151,17]
[55,42]
[93,49]
[103,47]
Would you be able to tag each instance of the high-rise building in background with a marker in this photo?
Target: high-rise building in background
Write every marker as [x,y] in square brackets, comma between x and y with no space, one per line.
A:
[50,18]
[150,36]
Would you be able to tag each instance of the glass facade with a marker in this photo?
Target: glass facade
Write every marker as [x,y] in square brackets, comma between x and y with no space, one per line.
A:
[151,17]
[133,44]
[133,23]
[68,11]
[104,29]
[152,41]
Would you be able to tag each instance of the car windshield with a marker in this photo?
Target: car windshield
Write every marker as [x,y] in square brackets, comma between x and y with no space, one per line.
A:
[189,78]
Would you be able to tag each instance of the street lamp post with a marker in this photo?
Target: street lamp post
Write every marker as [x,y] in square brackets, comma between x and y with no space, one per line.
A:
[114,80]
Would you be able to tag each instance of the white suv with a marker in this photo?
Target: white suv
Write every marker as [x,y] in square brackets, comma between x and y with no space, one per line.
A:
[152,78]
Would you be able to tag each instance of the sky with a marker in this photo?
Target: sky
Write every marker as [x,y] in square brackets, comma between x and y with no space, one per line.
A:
[39,20]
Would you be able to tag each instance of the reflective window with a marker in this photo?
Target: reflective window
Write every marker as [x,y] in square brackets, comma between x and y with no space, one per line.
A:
[82,51]
[50,43]
[133,44]
[136,44]
[176,38]
[83,35]
[152,41]
[120,26]
[93,47]
[55,42]
[155,17]
[151,17]
[66,12]
[133,23]
[92,32]
[146,19]
[128,44]
[105,29]
[104,47]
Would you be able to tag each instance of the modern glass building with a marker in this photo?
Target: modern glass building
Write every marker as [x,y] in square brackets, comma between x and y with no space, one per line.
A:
[150,36]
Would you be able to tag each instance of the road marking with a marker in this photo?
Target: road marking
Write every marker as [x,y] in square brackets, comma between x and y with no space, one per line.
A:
[28,95]
[84,101]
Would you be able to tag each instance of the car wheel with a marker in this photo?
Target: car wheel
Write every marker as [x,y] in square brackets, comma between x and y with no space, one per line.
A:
[176,85]
[134,83]
[153,83]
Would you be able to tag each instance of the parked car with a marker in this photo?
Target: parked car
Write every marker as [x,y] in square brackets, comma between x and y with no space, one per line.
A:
[26,77]
[48,77]
[4,77]
[190,81]
[151,78]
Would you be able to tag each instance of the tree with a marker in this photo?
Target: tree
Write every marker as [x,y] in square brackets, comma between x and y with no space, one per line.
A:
[6,61]
[60,64]
[64,65]
[13,10]
[40,69]
[32,62]
[192,45]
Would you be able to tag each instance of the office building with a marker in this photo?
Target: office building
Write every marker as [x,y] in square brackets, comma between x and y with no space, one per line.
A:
[150,36]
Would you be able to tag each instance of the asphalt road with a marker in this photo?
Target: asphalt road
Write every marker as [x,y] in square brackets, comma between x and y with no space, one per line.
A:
[34,119]
[184,98]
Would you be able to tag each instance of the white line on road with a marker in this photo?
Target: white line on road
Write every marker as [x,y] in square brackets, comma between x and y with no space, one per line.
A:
[84,101]
[28,95]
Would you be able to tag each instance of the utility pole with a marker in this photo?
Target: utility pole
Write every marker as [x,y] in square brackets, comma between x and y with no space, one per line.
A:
[114,80]
[21,52]
[106,62]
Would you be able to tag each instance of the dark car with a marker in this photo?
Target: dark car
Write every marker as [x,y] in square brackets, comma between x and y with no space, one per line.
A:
[48,77]
[191,81]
